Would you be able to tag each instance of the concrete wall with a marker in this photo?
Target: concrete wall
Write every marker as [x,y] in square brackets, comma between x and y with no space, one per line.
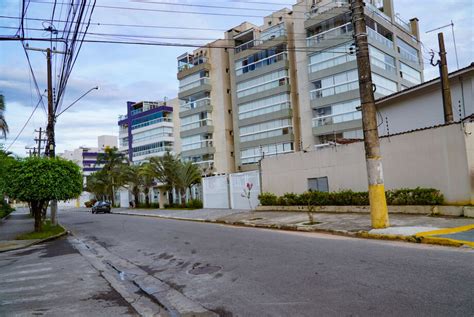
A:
[104,141]
[441,158]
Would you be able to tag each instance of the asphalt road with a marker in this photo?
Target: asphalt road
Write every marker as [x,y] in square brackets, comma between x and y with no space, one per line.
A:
[254,272]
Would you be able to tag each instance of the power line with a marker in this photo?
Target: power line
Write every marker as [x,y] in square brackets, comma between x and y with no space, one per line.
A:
[26,123]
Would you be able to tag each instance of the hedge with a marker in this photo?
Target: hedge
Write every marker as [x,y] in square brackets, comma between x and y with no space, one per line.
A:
[404,196]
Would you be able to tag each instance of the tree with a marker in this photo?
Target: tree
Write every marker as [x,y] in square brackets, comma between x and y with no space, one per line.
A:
[187,175]
[3,122]
[38,180]
[131,175]
[164,170]
[147,176]
[98,183]
[114,163]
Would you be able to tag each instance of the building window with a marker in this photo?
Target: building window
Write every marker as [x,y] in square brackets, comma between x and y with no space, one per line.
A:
[265,130]
[330,57]
[261,59]
[335,84]
[254,154]
[318,184]
[337,113]
[263,106]
[410,74]
[407,51]
[262,83]
[382,60]
[384,86]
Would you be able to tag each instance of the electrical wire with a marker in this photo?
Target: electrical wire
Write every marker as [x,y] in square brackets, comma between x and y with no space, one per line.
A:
[26,123]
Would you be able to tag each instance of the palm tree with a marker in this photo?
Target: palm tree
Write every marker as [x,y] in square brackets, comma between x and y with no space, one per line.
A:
[188,174]
[132,177]
[164,170]
[147,176]
[114,163]
[3,122]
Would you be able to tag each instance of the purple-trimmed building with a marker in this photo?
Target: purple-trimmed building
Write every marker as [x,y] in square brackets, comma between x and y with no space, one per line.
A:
[146,130]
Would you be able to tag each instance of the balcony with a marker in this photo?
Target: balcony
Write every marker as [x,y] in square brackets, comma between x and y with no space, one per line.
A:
[267,35]
[191,62]
[405,25]
[197,145]
[377,12]
[333,90]
[162,149]
[154,121]
[345,29]
[194,84]
[261,63]
[195,104]
[379,38]
[329,6]
[338,118]
[196,124]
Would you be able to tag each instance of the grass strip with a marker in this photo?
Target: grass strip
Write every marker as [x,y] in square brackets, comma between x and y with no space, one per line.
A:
[48,231]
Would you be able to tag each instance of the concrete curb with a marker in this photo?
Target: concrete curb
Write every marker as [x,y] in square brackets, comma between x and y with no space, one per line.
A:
[290,227]
[35,242]
[5,218]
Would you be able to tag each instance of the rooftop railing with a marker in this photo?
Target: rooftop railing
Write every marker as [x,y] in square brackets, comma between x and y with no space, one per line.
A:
[321,9]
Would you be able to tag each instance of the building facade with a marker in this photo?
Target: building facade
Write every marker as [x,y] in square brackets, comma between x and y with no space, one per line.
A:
[328,76]
[264,89]
[86,157]
[205,110]
[147,129]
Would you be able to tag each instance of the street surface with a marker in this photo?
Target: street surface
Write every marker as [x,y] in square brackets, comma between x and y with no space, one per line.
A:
[237,271]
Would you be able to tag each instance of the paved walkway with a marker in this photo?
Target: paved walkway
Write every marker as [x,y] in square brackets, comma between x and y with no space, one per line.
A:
[18,223]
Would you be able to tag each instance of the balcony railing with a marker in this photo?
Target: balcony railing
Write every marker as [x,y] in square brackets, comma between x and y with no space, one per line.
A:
[195,104]
[338,118]
[379,38]
[333,90]
[196,124]
[266,36]
[155,150]
[194,84]
[263,62]
[154,121]
[321,9]
[197,145]
[402,23]
[345,29]
[375,10]
[191,64]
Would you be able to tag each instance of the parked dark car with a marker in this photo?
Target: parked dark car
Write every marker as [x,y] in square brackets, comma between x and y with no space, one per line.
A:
[101,206]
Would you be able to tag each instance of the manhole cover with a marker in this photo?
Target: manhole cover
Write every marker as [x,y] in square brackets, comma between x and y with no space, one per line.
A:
[209,269]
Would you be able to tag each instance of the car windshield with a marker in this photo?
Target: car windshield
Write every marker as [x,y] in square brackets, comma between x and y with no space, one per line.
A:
[97,204]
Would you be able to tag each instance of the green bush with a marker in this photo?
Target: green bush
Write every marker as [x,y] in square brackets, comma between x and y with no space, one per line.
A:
[417,196]
[5,208]
[194,204]
[267,199]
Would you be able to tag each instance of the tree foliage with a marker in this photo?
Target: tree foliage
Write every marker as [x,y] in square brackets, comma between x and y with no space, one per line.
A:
[38,180]
[3,121]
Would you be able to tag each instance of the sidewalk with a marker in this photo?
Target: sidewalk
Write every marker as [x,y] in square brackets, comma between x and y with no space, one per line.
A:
[454,231]
[18,223]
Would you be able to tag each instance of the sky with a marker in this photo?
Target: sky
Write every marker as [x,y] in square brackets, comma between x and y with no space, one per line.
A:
[137,72]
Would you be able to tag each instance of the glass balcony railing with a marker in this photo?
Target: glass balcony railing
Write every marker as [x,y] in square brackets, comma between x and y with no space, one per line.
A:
[375,10]
[334,90]
[195,104]
[188,65]
[379,38]
[345,29]
[337,118]
[155,150]
[402,23]
[197,145]
[261,63]
[194,84]
[196,124]
[154,121]
[267,35]
[321,9]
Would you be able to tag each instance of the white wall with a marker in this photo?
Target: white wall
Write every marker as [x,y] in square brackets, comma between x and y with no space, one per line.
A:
[441,158]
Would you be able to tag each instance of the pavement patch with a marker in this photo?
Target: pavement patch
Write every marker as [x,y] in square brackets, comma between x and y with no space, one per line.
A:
[463,235]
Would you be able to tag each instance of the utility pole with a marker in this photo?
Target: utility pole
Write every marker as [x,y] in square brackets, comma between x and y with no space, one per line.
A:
[378,203]
[50,145]
[39,140]
[444,75]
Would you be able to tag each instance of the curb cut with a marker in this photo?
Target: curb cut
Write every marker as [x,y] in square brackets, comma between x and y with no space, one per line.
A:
[59,235]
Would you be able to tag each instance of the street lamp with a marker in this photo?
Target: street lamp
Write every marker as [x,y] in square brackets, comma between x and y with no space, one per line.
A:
[72,104]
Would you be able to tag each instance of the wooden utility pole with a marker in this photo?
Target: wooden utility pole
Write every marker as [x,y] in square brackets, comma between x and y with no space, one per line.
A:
[378,203]
[444,75]
[39,140]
